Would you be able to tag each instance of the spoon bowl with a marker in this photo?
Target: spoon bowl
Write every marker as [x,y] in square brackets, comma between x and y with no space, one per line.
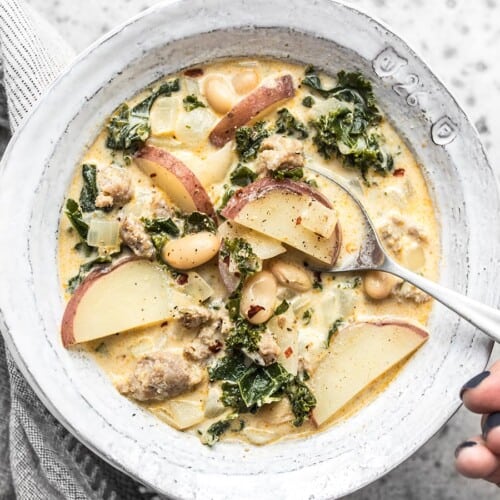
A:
[372,256]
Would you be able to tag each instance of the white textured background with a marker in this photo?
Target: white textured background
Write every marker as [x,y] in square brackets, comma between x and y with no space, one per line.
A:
[460,40]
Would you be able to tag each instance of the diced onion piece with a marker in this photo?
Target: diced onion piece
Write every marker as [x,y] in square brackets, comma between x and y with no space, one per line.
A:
[213,405]
[103,233]
[197,288]
[163,116]
[193,128]
[319,219]
[180,413]
[192,86]
[217,164]
[325,106]
[263,246]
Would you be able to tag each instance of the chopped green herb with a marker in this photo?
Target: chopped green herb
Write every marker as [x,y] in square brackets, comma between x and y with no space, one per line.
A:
[129,128]
[196,222]
[308,101]
[89,191]
[75,215]
[317,282]
[287,124]
[282,308]
[249,139]
[307,316]
[191,102]
[159,240]
[293,173]
[242,175]
[333,330]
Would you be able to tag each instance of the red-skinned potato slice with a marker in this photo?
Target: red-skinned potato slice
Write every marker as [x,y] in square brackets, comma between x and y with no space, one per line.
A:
[132,293]
[358,356]
[251,106]
[273,208]
[174,178]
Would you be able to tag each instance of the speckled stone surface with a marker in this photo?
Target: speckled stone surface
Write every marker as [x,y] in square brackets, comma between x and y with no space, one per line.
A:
[460,40]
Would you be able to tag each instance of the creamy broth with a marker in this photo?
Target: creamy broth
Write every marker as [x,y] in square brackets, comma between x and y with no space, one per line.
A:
[399,204]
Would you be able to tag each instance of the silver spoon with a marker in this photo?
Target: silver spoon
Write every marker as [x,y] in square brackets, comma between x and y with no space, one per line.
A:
[373,257]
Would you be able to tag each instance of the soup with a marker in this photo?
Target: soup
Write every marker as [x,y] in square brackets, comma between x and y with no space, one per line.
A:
[190,232]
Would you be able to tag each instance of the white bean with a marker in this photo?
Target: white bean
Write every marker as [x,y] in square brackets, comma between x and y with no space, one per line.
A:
[191,251]
[258,297]
[291,276]
[379,285]
[218,94]
[245,81]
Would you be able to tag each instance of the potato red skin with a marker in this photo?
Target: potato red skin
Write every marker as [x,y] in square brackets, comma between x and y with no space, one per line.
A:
[261,187]
[67,330]
[249,107]
[167,160]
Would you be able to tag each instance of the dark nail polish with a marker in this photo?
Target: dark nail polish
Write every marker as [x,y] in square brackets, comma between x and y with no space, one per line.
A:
[492,420]
[465,444]
[474,382]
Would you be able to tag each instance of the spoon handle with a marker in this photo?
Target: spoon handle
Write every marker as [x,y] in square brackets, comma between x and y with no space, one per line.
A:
[481,316]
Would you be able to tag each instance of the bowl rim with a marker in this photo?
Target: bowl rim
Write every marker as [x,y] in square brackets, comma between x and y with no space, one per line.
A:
[53,88]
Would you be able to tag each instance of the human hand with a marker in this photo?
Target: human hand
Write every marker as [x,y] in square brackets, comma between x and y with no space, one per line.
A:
[479,456]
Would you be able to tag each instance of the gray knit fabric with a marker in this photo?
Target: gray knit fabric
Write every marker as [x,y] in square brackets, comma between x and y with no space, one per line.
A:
[39,459]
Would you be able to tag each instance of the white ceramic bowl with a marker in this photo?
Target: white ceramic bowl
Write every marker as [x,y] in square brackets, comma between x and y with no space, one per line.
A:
[38,166]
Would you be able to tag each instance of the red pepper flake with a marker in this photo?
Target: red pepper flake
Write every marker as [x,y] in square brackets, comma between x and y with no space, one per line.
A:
[152,175]
[288,352]
[194,72]
[399,172]
[253,310]
[298,220]
[182,279]
[164,324]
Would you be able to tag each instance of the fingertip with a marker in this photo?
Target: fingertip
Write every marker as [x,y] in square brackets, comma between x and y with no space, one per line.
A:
[475,460]
[481,394]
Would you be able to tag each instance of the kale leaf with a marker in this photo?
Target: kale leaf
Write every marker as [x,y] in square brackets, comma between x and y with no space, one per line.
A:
[339,134]
[242,175]
[249,139]
[345,131]
[129,128]
[308,101]
[245,335]
[161,225]
[287,124]
[240,252]
[351,87]
[293,173]
[301,399]
[215,431]
[191,102]
[89,191]
[246,387]
[196,222]
[75,215]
